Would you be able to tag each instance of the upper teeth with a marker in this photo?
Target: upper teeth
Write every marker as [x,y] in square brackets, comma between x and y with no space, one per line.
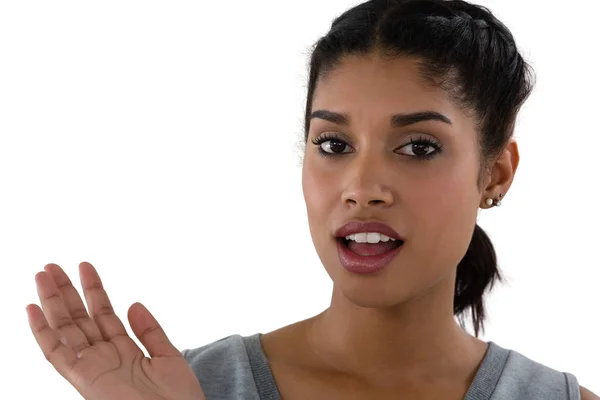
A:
[369,237]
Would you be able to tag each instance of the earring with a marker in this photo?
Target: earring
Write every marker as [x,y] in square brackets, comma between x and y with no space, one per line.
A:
[489,201]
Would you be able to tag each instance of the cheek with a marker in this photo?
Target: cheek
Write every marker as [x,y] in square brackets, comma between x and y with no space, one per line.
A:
[318,194]
[310,188]
[448,211]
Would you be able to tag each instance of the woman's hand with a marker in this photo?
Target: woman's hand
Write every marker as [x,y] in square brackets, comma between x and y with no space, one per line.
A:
[95,354]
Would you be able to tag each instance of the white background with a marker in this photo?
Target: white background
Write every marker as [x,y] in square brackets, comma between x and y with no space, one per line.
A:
[159,141]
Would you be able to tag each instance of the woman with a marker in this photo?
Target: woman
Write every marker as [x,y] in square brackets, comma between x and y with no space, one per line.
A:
[409,126]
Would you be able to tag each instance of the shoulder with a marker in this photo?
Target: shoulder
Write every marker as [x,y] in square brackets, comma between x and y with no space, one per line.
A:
[524,378]
[587,395]
[223,368]
[228,348]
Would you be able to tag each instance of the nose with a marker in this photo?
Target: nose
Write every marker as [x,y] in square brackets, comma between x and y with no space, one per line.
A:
[368,195]
[366,187]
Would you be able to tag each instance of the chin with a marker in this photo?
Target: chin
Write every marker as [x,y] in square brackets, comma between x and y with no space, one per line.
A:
[372,294]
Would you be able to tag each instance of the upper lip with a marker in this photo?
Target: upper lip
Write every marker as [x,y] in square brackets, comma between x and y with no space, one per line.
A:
[370,226]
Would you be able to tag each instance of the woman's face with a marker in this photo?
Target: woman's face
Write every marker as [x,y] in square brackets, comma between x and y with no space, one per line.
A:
[372,172]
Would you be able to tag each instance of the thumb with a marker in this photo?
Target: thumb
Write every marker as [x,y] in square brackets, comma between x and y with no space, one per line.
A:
[149,332]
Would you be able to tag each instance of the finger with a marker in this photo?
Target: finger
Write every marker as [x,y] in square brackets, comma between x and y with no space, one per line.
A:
[56,313]
[149,332]
[74,304]
[99,305]
[60,356]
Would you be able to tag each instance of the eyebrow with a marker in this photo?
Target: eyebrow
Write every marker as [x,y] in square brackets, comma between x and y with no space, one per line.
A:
[396,121]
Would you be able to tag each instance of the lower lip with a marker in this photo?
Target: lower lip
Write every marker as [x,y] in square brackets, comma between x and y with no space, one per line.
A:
[364,265]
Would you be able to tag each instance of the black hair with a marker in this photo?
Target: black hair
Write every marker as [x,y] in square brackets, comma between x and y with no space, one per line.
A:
[465,50]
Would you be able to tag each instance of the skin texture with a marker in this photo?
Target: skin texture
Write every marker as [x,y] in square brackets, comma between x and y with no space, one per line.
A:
[393,332]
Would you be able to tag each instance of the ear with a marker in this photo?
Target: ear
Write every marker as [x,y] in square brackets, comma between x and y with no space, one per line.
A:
[502,172]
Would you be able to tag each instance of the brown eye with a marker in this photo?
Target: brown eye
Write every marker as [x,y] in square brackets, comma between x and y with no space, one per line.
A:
[333,146]
[329,145]
[421,149]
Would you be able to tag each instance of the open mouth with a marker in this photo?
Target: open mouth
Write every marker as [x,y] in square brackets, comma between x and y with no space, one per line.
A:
[370,249]
[366,258]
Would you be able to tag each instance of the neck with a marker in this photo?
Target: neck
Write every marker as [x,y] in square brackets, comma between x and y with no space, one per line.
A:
[418,338]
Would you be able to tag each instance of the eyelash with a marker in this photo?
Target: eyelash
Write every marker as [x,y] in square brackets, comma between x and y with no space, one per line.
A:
[420,141]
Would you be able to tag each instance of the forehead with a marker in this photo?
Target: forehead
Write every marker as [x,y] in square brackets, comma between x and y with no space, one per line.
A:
[380,87]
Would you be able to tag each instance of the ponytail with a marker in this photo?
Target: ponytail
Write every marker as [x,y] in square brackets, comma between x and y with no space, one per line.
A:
[477,271]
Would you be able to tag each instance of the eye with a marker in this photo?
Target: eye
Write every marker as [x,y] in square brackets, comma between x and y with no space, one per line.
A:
[330,145]
[422,148]
[333,146]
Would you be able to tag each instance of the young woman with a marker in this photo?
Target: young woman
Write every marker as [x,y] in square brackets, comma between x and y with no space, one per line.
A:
[409,126]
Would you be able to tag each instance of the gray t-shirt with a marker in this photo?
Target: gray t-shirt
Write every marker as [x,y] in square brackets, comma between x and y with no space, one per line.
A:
[236,368]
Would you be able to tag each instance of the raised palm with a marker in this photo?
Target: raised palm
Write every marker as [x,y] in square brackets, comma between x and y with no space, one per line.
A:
[93,351]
